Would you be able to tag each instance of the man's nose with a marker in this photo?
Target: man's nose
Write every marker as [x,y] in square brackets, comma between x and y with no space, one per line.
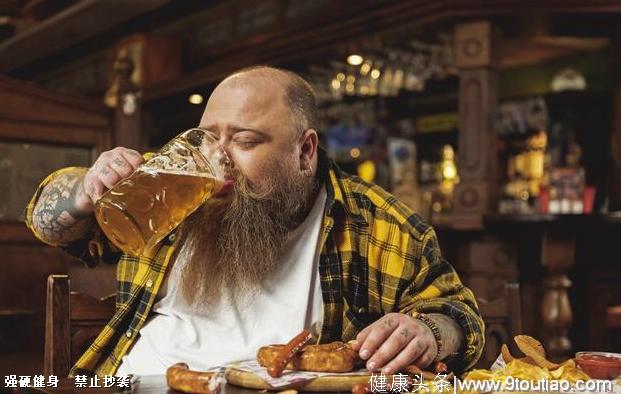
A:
[226,160]
[226,157]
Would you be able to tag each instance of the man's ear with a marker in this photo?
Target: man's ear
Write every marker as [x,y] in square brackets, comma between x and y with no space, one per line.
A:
[309,141]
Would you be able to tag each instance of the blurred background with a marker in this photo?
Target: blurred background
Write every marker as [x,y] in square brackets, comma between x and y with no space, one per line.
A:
[499,122]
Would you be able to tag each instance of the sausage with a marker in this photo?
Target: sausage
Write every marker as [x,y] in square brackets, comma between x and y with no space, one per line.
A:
[288,352]
[360,388]
[335,357]
[439,367]
[180,378]
[413,369]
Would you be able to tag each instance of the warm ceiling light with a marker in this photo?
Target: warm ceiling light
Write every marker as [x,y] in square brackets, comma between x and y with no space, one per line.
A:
[568,79]
[355,153]
[375,73]
[364,90]
[351,79]
[365,68]
[340,77]
[195,99]
[449,171]
[354,60]
[336,84]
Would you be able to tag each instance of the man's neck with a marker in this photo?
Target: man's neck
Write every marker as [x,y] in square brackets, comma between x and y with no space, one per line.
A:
[305,210]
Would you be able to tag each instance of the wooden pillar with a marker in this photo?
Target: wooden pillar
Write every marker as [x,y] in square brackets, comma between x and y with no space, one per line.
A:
[485,263]
[615,137]
[557,257]
[127,130]
[476,58]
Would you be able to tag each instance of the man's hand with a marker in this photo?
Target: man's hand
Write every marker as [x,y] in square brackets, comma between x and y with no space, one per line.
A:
[64,210]
[396,341]
[110,168]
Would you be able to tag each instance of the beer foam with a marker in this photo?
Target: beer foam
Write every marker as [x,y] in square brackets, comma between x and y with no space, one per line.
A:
[174,172]
[179,159]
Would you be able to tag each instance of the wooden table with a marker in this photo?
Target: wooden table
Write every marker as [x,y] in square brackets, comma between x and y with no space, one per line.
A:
[151,384]
[157,384]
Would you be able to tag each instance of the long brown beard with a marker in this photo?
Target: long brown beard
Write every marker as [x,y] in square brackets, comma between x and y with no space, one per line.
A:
[233,245]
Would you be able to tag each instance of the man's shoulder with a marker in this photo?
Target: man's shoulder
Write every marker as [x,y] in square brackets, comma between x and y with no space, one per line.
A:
[376,205]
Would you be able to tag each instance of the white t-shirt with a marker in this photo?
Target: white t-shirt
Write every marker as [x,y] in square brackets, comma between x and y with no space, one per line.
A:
[289,302]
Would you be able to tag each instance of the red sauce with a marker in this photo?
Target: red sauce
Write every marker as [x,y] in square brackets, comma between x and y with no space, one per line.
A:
[600,359]
[599,366]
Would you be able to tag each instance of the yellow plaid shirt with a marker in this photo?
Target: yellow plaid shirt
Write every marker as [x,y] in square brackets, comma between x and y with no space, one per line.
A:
[377,257]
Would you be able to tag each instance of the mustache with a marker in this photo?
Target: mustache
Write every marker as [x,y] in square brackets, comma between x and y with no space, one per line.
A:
[246,188]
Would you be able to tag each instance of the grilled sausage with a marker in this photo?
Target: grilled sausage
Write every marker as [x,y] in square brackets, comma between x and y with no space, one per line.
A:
[180,378]
[287,353]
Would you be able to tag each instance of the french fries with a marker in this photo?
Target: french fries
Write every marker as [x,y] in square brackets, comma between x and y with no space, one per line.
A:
[534,349]
[533,367]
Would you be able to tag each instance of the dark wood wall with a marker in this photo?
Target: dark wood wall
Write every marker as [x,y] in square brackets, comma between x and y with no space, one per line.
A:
[33,122]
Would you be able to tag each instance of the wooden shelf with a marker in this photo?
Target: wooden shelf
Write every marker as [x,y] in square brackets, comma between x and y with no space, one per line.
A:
[10,312]
[612,218]
[504,222]
[498,218]
[573,222]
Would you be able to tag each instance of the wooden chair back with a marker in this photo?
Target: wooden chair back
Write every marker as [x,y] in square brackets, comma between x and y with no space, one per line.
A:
[72,321]
[503,321]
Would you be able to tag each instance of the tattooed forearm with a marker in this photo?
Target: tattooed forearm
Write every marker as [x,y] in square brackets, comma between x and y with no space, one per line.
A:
[451,334]
[55,216]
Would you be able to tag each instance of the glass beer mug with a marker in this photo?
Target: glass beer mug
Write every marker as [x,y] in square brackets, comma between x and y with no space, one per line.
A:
[138,212]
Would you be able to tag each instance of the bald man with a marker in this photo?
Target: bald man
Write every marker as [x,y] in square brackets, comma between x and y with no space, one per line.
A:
[295,243]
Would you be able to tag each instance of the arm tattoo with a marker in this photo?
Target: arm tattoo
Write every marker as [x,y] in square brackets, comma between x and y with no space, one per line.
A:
[450,332]
[55,216]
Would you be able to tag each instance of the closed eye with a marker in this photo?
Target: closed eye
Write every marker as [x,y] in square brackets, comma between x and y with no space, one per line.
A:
[247,143]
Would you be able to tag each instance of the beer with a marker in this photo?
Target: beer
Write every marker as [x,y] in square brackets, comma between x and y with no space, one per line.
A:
[142,209]
[138,212]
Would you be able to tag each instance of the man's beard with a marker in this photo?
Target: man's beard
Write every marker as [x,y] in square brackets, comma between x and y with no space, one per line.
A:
[232,245]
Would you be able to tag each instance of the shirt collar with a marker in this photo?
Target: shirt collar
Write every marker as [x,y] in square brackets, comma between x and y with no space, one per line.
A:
[339,193]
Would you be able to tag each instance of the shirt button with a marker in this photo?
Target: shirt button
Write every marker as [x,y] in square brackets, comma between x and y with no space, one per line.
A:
[171,237]
[149,283]
[128,333]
